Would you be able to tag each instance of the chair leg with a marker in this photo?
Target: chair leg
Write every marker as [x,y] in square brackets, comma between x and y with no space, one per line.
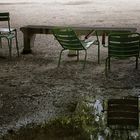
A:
[106,67]
[17,43]
[0,41]
[85,59]
[10,47]
[109,63]
[98,48]
[77,55]
[136,62]
[60,57]
[99,53]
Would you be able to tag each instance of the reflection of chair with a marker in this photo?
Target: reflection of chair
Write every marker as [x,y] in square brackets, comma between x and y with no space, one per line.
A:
[69,41]
[122,46]
[123,113]
[8,33]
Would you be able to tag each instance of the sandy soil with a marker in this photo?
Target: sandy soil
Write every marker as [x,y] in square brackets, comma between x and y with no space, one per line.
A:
[33,89]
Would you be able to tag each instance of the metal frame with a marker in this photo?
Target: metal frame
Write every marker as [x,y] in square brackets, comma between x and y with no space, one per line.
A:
[108,59]
[8,33]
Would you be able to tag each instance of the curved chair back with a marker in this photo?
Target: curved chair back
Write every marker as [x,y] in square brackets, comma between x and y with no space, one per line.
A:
[5,17]
[123,113]
[68,39]
[123,45]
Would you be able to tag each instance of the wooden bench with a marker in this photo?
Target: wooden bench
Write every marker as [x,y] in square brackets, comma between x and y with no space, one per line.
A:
[30,31]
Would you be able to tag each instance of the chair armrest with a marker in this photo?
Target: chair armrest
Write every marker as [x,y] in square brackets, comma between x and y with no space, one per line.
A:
[89,34]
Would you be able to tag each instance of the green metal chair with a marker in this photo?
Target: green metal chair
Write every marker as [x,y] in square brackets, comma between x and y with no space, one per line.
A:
[123,115]
[123,112]
[8,33]
[69,41]
[121,46]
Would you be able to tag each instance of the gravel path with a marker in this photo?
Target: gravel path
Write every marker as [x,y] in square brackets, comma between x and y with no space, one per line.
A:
[33,89]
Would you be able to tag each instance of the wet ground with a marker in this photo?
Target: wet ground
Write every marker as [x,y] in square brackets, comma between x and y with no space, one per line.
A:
[95,118]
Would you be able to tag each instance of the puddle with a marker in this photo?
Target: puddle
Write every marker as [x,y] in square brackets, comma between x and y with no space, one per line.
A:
[92,119]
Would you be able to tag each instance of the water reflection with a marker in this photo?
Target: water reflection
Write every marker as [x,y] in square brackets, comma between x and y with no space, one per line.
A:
[114,118]
[92,119]
[120,118]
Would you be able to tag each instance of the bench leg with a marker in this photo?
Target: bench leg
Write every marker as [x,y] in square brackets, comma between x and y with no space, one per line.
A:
[28,43]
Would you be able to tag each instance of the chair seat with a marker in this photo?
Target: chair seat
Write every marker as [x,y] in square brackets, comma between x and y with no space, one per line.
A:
[3,30]
[8,36]
[87,44]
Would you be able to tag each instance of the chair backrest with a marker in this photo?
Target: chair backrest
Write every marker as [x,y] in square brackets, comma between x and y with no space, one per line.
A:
[5,17]
[123,113]
[67,38]
[123,45]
